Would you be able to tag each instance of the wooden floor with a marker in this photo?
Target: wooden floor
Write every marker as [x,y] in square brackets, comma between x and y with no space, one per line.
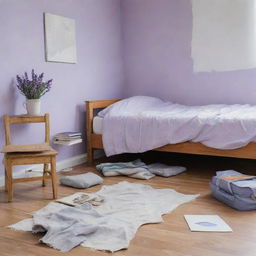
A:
[172,237]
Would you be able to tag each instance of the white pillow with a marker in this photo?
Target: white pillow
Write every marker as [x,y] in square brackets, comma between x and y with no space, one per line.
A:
[135,103]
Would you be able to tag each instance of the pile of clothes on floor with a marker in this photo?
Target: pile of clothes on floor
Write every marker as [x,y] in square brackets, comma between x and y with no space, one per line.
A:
[139,170]
[135,169]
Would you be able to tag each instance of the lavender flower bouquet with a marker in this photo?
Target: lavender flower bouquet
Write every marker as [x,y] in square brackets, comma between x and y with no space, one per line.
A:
[34,88]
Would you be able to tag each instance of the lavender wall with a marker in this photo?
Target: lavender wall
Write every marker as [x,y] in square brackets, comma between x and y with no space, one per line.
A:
[157,48]
[98,73]
[154,36]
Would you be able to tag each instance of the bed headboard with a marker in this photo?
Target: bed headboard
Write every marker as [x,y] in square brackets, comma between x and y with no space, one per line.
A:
[95,104]
[90,106]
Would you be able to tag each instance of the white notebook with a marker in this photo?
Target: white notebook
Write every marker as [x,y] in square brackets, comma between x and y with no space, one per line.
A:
[207,223]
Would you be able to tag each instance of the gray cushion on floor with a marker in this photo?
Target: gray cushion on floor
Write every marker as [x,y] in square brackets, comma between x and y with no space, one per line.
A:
[85,180]
[165,170]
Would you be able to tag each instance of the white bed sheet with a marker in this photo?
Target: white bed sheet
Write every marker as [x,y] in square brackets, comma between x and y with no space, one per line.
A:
[142,123]
[97,125]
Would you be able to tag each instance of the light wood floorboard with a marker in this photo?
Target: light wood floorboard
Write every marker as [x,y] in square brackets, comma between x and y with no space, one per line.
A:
[170,238]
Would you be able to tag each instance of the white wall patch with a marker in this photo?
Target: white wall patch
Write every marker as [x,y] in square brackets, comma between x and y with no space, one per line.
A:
[224,35]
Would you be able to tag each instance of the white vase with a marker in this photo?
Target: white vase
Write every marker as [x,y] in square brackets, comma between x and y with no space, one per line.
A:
[33,107]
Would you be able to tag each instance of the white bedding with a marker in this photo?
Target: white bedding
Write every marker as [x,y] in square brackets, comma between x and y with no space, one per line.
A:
[97,125]
[141,123]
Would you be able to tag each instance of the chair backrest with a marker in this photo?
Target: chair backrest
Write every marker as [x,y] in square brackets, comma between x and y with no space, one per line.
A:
[8,120]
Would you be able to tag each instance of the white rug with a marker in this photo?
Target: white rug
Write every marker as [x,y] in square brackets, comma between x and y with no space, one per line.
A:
[127,206]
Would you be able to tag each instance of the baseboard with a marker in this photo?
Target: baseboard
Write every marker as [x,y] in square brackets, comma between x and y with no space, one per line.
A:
[36,170]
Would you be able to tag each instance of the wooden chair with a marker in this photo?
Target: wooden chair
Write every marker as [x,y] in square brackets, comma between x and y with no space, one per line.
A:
[28,154]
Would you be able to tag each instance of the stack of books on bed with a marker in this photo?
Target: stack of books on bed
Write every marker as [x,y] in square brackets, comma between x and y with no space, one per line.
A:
[67,138]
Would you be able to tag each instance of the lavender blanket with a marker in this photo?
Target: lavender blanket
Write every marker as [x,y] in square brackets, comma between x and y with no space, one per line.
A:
[142,123]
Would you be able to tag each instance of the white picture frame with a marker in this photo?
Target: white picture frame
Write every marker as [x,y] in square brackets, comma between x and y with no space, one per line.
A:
[60,38]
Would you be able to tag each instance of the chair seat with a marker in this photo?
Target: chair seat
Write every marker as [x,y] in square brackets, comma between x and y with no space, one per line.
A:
[16,155]
[39,147]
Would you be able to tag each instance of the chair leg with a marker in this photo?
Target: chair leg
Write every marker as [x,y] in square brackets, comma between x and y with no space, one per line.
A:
[45,174]
[9,180]
[54,177]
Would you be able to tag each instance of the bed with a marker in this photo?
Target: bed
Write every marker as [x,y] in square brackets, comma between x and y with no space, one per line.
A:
[95,141]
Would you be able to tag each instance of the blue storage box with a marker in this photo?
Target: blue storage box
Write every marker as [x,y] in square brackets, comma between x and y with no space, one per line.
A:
[235,189]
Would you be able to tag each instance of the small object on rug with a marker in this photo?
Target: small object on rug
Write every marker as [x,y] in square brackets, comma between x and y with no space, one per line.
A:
[84,180]
[110,226]
[81,198]
[235,189]
[207,223]
[165,170]
[135,169]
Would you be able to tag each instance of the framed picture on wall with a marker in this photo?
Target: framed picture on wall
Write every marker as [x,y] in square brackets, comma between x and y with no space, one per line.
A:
[60,38]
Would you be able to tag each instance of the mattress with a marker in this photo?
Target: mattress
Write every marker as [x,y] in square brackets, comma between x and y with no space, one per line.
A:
[97,125]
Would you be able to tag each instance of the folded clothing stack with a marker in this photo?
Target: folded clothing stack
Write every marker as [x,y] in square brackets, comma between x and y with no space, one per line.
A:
[67,138]
[235,189]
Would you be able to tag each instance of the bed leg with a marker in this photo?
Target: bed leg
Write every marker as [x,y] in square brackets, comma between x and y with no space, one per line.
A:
[89,156]
[89,131]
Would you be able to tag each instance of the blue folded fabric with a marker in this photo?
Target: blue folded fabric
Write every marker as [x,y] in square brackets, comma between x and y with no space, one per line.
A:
[165,170]
[135,169]
[235,189]
[84,180]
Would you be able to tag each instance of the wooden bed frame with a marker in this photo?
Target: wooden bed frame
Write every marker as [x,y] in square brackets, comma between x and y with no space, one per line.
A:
[94,141]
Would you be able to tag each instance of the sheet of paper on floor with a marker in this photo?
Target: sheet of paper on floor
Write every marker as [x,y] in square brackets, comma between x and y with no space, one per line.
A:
[207,223]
